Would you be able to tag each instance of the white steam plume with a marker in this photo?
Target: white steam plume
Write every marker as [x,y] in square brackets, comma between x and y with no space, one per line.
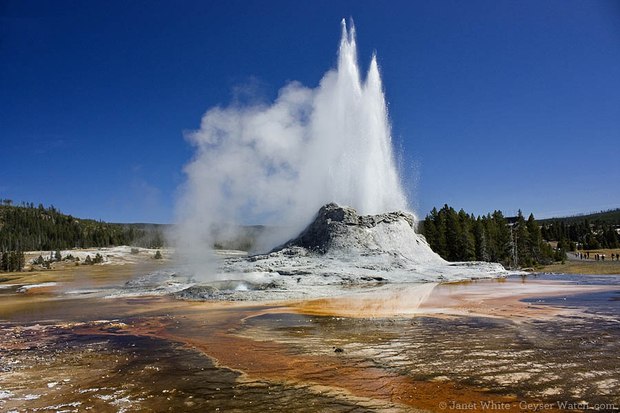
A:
[278,164]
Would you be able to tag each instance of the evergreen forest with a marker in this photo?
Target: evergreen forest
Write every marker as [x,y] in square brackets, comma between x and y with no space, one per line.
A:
[26,227]
[515,242]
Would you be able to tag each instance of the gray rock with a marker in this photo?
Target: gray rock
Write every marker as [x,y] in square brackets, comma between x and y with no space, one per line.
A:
[335,225]
[198,292]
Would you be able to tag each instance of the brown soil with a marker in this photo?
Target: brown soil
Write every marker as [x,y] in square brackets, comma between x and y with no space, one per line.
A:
[606,267]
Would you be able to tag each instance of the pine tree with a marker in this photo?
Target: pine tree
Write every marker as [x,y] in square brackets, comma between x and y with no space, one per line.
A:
[21,260]
[442,244]
[480,240]
[98,259]
[522,241]
[467,241]
[4,263]
[535,239]
[429,231]
[453,235]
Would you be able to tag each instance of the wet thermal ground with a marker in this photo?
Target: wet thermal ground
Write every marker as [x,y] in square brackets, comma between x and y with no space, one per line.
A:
[571,358]
[52,369]
[111,366]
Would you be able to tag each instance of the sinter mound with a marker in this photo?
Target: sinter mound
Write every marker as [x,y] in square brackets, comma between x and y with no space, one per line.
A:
[340,230]
[338,250]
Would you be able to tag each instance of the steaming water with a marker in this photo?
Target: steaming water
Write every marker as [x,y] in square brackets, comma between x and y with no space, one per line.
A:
[277,164]
[351,130]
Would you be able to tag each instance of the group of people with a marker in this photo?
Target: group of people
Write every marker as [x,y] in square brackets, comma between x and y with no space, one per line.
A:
[597,257]
[583,255]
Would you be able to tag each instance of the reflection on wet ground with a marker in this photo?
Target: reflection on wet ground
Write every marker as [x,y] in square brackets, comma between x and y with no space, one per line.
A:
[540,340]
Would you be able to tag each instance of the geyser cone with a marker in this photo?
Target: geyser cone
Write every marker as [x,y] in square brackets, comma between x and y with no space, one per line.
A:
[341,232]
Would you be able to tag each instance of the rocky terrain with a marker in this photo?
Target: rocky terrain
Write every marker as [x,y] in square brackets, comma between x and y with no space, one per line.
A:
[338,250]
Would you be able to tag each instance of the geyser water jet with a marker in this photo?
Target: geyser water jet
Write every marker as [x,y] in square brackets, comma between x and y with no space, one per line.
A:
[278,164]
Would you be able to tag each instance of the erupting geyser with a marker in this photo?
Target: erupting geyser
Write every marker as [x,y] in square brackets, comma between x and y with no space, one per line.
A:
[349,130]
[326,149]
[278,164]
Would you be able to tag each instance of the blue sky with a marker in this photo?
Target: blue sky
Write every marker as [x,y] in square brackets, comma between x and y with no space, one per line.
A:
[494,104]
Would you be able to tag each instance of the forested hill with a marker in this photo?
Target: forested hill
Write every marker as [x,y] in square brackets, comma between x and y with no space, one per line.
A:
[590,232]
[29,228]
[611,216]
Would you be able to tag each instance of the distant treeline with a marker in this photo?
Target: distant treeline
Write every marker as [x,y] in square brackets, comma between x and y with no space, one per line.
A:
[29,228]
[610,216]
[514,242]
[594,231]
[242,238]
